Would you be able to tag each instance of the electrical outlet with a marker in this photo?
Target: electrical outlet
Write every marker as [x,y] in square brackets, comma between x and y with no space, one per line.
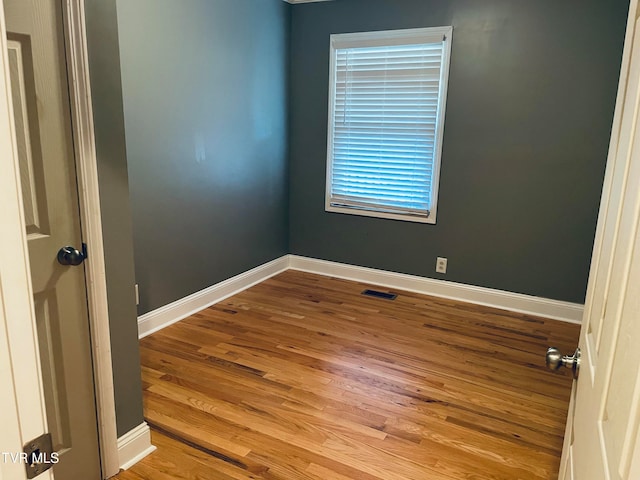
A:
[441,265]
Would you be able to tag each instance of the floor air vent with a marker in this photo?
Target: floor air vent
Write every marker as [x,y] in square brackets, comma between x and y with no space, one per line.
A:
[378,294]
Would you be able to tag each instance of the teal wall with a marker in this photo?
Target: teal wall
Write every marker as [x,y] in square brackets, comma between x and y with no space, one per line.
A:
[531,95]
[225,109]
[205,103]
[104,66]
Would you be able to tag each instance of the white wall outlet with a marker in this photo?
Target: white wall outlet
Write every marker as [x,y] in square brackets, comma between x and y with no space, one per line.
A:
[137,294]
[441,265]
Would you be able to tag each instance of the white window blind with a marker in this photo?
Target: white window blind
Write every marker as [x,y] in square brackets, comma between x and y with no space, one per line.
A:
[386,116]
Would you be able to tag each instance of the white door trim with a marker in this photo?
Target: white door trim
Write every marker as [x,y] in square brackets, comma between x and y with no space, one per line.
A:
[91,220]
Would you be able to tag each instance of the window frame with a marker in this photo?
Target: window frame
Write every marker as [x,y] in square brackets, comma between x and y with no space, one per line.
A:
[390,38]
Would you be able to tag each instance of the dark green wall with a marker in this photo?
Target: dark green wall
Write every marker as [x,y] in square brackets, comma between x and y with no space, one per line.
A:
[205,100]
[104,65]
[530,104]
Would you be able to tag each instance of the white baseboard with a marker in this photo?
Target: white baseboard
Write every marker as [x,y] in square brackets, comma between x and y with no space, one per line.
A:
[164,316]
[543,307]
[516,302]
[134,445]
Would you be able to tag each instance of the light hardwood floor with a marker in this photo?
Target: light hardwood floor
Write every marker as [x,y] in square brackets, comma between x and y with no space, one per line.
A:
[301,377]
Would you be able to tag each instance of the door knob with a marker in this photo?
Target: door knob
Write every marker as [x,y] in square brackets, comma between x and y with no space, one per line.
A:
[555,360]
[72,256]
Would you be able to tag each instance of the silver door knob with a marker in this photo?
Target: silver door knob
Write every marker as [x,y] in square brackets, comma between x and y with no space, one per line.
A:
[555,360]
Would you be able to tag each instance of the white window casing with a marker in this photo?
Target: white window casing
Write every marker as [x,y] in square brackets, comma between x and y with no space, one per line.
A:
[387,97]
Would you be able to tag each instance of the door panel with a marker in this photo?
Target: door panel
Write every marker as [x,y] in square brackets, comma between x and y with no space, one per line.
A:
[42,120]
[53,376]
[621,397]
[27,134]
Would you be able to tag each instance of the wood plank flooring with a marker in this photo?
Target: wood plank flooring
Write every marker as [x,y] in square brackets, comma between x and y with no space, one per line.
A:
[301,377]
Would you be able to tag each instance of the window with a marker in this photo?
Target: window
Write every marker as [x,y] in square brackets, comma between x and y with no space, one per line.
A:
[386,116]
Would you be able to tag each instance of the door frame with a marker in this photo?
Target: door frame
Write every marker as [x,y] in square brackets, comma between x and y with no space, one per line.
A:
[15,282]
[91,224]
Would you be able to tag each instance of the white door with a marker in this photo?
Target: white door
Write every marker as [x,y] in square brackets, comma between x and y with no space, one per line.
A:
[22,410]
[602,435]
[42,121]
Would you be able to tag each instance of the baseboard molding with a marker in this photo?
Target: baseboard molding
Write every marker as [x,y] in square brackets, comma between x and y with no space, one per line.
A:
[134,445]
[543,307]
[164,316]
[169,314]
